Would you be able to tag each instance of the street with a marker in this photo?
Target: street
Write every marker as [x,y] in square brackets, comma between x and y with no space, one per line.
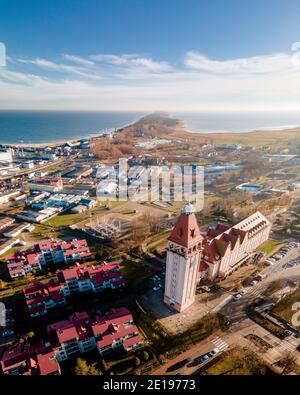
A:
[241,325]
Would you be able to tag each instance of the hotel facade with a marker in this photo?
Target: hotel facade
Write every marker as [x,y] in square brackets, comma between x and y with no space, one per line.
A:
[193,257]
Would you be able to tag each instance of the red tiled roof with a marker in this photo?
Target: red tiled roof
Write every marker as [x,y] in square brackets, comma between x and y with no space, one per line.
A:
[32,259]
[120,315]
[56,295]
[105,341]
[32,289]
[186,231]
[15,355]
[67,334]
[47,363]
[99,327]
[18,271]
[132,340]
[37,299]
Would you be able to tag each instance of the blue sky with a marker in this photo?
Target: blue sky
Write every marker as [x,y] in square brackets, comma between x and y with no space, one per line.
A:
[150,54]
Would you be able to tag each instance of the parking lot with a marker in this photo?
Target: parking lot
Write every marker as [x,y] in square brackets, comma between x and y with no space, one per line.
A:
[287,257]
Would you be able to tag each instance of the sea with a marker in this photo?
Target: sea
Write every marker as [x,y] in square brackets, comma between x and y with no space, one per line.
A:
[37,127]
[239,122]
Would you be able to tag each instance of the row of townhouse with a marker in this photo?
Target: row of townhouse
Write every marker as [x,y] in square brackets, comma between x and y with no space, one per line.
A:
[47,253]
[79,278]
[27,360]
[78,334]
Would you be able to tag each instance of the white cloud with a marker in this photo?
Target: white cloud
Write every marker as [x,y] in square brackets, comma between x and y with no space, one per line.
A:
[78,60]
[135,82]
[255,64]
[134,62]
[62,68]
[113,59]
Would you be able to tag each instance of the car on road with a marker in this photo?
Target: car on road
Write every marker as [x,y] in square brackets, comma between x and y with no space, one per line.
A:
[254,282]
[289,265]
[179,364]
[260,276]
[269,263]
[201,359]
[156,278]
[237,297]
[7,332]
[213,352]
[157,287]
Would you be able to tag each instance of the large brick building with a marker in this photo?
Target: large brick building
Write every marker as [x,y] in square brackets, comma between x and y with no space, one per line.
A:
[193,257]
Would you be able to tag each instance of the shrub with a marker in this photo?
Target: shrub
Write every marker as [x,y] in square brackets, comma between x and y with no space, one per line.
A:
[137,361]
[145,355]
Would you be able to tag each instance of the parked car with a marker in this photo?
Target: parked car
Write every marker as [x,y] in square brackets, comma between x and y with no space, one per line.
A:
[179,364]
[237,296]
[201,359]
[213,352]
[254,282]
[269,263]
[157,287]
[156,278]
[7,332]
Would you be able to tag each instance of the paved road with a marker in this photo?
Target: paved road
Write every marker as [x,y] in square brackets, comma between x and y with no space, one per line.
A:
[242,326]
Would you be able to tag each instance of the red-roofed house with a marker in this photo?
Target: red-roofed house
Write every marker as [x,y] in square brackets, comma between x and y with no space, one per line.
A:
[41,297]
[47,363]
[47,253]
[76,279]
[26,360]
[78,334]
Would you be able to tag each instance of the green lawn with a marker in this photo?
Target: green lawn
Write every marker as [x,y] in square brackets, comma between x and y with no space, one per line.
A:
[284,309]
[270,246]
[239,361]
[65,220]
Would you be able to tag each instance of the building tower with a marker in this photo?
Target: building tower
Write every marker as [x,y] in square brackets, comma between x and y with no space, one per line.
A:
[183,259]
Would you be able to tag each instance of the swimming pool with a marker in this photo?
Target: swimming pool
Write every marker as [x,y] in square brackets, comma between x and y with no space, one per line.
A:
[249,187]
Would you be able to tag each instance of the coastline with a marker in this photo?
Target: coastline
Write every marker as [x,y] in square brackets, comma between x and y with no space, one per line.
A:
[181,127]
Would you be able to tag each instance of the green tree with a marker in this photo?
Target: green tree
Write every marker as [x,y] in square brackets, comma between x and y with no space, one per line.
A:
[289,364]
[83,369]
[145,355]
[137,362]
[30,335]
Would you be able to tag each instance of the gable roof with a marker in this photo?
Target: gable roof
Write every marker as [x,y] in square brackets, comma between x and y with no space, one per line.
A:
[186,231]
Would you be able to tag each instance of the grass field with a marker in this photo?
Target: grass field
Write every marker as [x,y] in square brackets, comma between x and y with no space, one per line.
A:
[284,309]
[65,220]
[239,361]
[270,246]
